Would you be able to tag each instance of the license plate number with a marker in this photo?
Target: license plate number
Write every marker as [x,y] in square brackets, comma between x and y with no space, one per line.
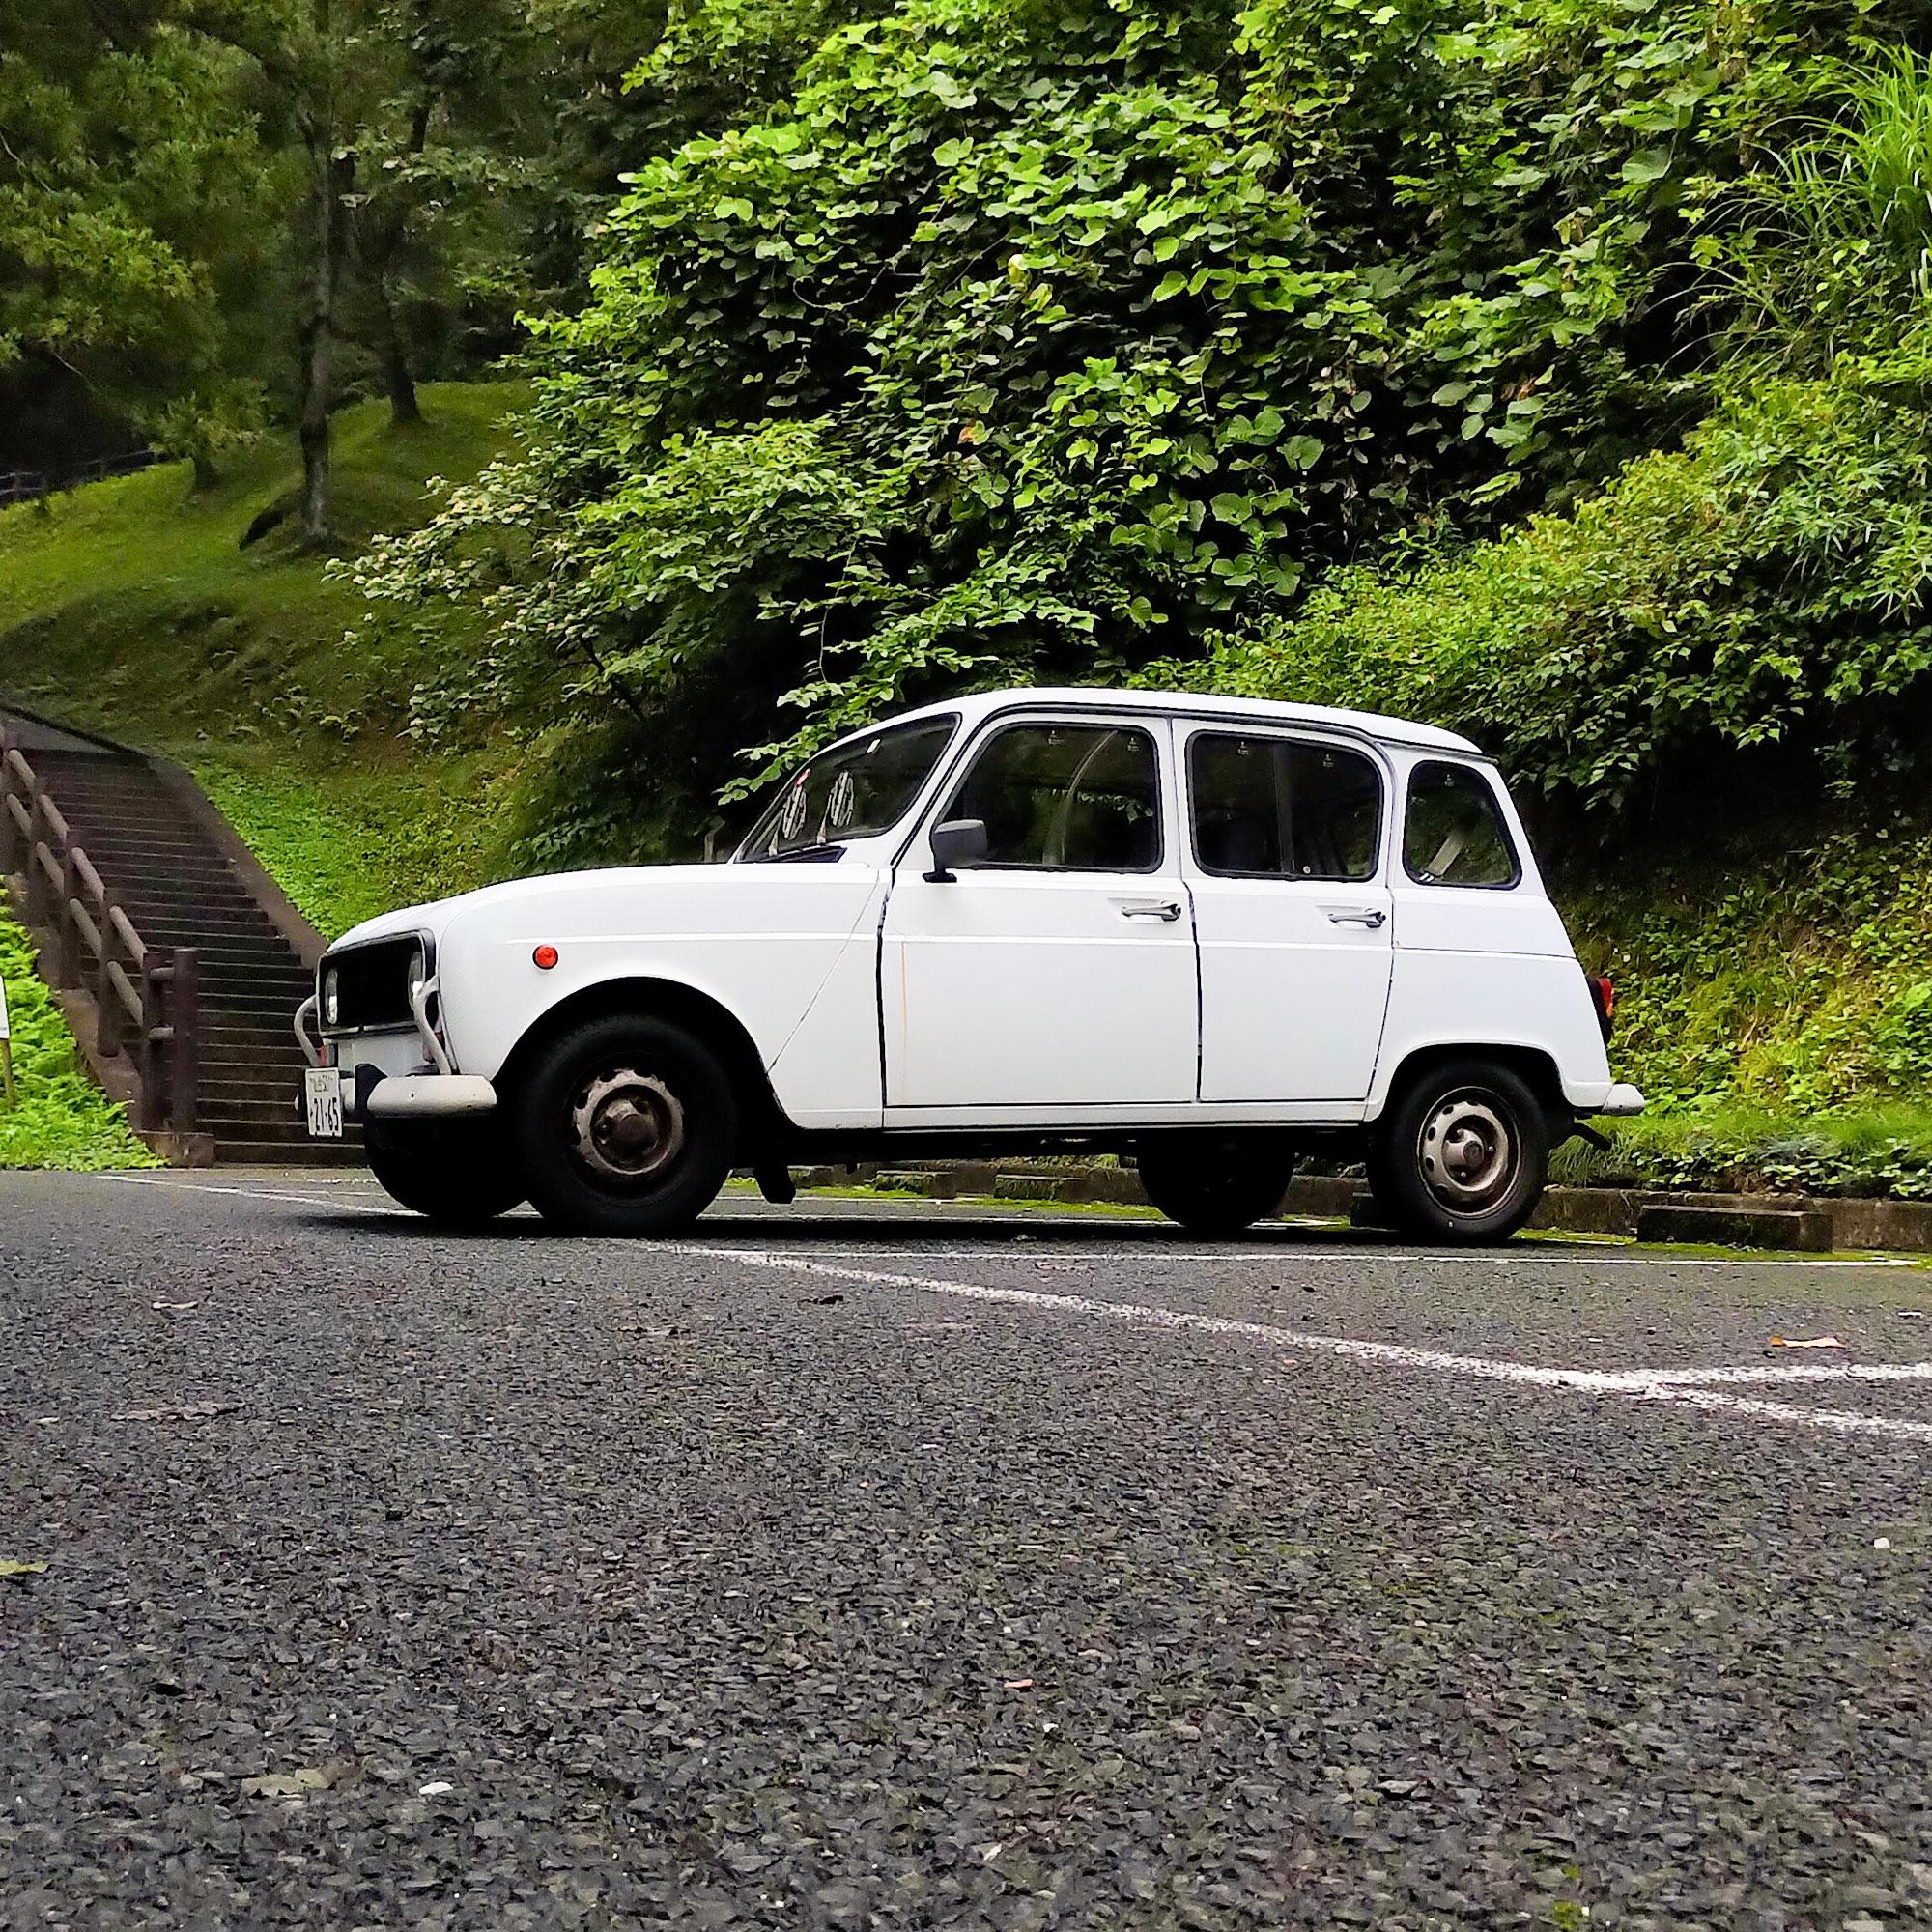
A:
[323,1088]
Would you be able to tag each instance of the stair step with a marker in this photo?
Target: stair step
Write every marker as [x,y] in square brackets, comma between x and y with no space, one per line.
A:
[289,1154]
[179,888]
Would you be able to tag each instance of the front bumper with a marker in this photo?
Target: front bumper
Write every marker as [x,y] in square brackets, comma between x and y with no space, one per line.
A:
[413,1096]
[1622,1099]
[429,1096]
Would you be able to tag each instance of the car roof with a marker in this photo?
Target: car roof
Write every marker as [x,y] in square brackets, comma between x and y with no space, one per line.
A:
[1196,704]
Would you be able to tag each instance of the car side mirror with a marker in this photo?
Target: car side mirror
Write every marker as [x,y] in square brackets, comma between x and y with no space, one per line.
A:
[960,841]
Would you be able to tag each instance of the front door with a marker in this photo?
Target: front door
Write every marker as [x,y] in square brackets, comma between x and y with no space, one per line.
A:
[1291,913]
[1058,972]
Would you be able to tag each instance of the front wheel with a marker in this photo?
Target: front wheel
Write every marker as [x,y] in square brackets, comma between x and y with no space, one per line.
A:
[628,1126]
[458,1173]
[1461,1154]
[1216,1185]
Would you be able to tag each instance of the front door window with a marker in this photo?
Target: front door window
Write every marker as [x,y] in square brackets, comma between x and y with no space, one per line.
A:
[1067,798]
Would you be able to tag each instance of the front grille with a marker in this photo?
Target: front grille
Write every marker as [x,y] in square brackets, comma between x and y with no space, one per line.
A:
[372,985]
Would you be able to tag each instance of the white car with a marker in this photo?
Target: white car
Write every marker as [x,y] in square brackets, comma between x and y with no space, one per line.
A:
[1214,934]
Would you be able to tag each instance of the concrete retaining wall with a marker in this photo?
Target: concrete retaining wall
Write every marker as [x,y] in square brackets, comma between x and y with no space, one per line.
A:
[1901,1225]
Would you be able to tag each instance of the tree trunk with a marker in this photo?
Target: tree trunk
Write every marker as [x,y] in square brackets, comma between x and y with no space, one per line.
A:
[206,476]
[326,182]
[403,405]
[387,242]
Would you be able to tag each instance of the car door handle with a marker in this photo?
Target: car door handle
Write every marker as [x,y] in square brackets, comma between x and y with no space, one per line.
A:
[1164,910]
[1368,916]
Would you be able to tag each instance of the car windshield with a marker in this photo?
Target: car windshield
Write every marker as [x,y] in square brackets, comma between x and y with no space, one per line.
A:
[855,789]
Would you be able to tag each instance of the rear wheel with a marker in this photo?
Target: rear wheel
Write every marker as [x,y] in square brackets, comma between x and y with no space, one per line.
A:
[458,1173]
[627,1126]
[1216,1185]
[1462,1153]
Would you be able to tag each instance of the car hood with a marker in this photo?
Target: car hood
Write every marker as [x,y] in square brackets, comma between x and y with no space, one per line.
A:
[556,900]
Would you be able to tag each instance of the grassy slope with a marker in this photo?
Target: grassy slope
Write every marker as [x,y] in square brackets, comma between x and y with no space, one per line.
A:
[1779,1008]
[131,607]
[1776,1005]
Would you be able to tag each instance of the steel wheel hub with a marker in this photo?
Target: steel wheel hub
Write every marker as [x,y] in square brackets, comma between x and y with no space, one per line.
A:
[626,1126]
[1468,1152]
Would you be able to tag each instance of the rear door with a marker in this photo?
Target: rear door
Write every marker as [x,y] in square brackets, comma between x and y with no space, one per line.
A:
[1058,974]
[1286,865]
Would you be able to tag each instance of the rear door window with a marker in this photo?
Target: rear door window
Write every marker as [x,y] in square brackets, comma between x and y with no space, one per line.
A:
[1454,833]
[1283,809]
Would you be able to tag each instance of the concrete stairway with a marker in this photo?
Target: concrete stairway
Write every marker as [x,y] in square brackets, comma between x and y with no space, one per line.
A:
[168,869]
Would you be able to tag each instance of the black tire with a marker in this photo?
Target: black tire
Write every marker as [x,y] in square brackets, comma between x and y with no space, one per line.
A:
[627,1125]
[1216,1185]
[459,1174]
[1461,1154]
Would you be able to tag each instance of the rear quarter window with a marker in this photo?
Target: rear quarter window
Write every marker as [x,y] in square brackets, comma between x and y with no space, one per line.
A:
[1453,830]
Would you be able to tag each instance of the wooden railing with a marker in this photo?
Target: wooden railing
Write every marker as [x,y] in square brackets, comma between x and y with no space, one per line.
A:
[146,1002]
[20,486]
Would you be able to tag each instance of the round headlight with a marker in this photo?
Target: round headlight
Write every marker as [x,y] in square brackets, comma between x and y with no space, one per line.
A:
[332,998]
[419,975]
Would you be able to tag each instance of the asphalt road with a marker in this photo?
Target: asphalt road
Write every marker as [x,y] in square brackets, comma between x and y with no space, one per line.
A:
[851,1565]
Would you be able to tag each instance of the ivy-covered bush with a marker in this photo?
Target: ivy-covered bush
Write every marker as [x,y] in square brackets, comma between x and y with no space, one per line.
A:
[1767,583]
[1030,341]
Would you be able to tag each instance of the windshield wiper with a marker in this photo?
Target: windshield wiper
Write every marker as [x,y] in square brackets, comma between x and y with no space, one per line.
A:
[809,854]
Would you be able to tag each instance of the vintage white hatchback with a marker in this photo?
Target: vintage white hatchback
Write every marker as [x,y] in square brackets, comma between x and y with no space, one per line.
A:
[1215,934]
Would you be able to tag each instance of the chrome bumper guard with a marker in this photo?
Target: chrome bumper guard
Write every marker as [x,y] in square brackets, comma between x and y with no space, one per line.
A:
[311,1048]
[429,1096]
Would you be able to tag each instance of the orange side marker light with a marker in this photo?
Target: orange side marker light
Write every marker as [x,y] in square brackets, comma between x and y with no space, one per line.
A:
[545,956]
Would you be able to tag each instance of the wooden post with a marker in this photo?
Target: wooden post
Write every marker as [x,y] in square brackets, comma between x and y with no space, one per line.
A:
[106,1001]
[66,926]
[37,887]
[7,1051]
[185,1016]
[153,1007]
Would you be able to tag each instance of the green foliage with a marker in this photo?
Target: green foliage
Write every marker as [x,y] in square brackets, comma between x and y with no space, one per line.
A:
[62,1119]
[1765,584]
[1830,252]
[1021,341]
[133,188]
[1784,975]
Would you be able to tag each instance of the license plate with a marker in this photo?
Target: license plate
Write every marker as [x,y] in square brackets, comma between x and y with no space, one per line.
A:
[323,1088]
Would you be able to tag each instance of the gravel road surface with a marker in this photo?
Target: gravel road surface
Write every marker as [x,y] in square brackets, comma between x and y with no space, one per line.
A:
[855,1565]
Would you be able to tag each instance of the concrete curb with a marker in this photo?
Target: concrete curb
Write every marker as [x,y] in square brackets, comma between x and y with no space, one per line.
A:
[1764,1219]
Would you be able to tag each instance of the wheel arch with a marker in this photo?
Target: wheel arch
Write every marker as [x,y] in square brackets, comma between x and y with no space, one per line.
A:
[699,1012]
[1533,1064]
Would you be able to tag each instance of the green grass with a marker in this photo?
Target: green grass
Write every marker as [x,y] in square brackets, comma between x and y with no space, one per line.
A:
[346,843]
[131,607]
[1775,1004]
[62,1119]
[131,604]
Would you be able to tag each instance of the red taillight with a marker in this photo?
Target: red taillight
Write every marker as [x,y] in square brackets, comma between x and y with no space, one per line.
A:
[1604,997]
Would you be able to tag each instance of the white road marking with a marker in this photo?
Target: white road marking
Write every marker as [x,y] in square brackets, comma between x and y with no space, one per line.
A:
[1693,1388]
[1531,1257]
[1630,1384]
[210,1187]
